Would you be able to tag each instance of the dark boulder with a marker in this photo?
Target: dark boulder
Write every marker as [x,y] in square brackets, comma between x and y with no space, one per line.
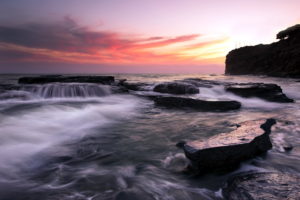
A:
[226,151]
[176,88]
[290,32]
[269,92]
[196,104]
[280,58]
[275,186]
[67,79]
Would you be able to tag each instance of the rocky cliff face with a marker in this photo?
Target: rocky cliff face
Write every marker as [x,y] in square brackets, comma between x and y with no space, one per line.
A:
[281,58]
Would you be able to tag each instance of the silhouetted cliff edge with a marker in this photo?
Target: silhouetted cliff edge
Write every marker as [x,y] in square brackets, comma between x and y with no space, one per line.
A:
[280,58]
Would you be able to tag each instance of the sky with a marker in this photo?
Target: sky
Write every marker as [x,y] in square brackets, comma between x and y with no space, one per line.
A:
[134,36]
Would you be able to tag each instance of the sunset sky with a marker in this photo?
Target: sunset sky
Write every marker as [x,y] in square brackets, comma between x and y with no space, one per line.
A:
[134,36]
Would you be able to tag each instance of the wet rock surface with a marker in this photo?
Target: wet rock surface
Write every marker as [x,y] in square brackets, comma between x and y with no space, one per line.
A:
[198,82]
[280,58]
[226,151]
[259,186]
[196,104]
[269,92]
[66,79]
[5,87]
[133,86]
[176,88]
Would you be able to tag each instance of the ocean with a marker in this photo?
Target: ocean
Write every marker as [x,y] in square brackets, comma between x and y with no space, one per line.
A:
[85,141]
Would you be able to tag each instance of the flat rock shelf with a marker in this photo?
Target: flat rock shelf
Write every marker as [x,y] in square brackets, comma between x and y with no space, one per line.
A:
[226,150]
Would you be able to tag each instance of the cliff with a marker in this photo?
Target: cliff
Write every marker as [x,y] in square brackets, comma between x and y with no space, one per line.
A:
[280,58]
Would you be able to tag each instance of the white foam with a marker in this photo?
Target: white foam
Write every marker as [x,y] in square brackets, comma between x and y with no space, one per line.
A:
[24,134]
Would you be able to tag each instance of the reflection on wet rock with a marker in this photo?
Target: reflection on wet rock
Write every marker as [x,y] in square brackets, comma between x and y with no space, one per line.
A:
[226,150]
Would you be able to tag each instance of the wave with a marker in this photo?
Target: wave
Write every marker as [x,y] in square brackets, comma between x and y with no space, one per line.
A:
[43,129]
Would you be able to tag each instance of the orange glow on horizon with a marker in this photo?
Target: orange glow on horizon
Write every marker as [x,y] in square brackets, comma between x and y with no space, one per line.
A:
[186,49]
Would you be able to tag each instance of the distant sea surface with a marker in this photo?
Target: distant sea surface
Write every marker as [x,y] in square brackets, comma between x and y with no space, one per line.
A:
[85,142]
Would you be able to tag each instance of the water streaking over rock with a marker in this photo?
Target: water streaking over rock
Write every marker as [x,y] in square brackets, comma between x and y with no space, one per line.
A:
[63,90]
[66,140]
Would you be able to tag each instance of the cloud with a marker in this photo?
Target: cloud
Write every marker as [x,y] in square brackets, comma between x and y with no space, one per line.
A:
[67,41]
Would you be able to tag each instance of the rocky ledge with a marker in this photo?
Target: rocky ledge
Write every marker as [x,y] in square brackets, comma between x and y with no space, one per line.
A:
[269,92]
[176,88]
[67,79]
[196,104]
[280,58]
[226,151]
[275,186]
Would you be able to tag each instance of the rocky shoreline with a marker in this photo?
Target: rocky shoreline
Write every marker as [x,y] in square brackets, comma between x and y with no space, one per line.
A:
[221,153]
[280,59]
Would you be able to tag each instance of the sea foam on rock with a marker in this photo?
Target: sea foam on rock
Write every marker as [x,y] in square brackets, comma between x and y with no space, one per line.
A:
[226,151]
[269,92]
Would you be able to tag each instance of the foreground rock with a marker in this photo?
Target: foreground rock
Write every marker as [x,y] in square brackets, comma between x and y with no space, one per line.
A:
[281,58]
[176,88]
[275,186]
[67,79]
[269,92]
[196,104]
[227,150]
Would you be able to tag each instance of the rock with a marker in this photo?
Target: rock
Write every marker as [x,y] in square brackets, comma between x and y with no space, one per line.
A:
[280,59]
[275,186]
[289,32]
[67,79]
[180,144]
[176,88]
[14,94]
[269,92]
[6,87]
[198,82]
[196,104]
[133,86]
[288,147]
[226,151]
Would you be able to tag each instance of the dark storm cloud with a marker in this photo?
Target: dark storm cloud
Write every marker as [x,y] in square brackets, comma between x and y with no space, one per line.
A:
[62,37]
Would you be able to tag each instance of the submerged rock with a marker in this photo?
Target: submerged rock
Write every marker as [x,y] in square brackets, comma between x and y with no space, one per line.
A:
[67,79]
[6,87]
[275,186]
[176,88]
[14,94]
[269,92]
[226,151]
[280,58]
[198,82]
[196,104]
[133,86]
